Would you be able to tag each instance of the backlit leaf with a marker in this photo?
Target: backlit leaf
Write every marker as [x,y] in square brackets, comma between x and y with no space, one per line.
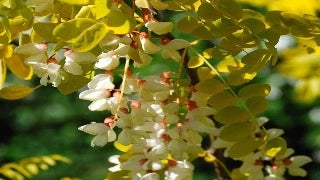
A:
[205,73]
[254,90]
[187,24]
[210,86]
[207,12]
[244,147]
[45,30]
[236,132]
[230,115]
[195,62]
[102,8]
[257,104]
[276,146]
[119,22]
[15,92]
[222,99]
[77,2]
[16,65]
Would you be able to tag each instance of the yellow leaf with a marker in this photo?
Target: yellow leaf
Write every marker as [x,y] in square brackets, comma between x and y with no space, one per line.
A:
[229,64]
[276,146]
[257,104]
[210,86]
[222,99]
[244,147]
[195,62]
[15,92]
[254,90]
[102,8]
[231,114]
[121,147]
[3,72]
[210,158]
[76,2]
[119,23]
[16,65]
[236,132]
[205,73]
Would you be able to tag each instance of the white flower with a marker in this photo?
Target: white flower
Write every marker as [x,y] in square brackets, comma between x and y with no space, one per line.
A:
[170,49]
[107,61]
[49,73]
[159,28]
[31,49]
[152,91]
[103,134]
[74,59]
[182,170]
[148,46]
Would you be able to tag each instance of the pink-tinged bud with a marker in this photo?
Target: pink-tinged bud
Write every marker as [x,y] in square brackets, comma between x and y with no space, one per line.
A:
[165,40]
[124,110]
[165,137]
[68,52]
[163,121]
[191,105]
[116,94]
[109,121]
[140,82]
[172,163]
[135,104]
[146,15]
[118,1]
[193,89]
[180,124]
[142,161]
[165,75]
[42,46]
[52,60]
[287,162]
[143,35]
[258,163]
[134,44]
[129,72]
[275,167]
[107,93]
[109,72]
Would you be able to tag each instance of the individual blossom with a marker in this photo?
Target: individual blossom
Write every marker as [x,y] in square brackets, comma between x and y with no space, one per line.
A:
[74,60]
[170,48]
[46,68]
[103,133]
[159,28]
[179,170]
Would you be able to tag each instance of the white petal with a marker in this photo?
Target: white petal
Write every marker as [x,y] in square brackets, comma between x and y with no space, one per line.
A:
[148,46]
[35,59]
[170,53]
[101,81]
[151,176]
[94,128]
[145,58]
[31,49]
[99,105]
[122,50]
[107,61]
[177,44]
[273,133]
[159,27]
[112,136]
[92,95]
[100,140]
[297,172]
[81,57]
[44,80]
[72,68]
[298,161]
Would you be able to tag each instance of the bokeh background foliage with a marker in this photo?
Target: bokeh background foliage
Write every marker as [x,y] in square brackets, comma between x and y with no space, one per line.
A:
[46,122]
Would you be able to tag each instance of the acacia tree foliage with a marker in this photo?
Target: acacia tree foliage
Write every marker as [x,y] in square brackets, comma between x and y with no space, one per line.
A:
[162,118]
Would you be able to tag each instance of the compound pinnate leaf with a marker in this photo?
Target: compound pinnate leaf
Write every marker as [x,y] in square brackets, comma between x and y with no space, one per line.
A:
[222,99]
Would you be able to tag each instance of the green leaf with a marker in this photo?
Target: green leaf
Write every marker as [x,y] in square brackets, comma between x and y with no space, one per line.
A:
[121,175]
[207,12]
[187,24]
[222,99]
[76,2]
[244,147]
[5,33]
[15,92]
[276,146]
[119,23]
[72,29]
[230,115]
[44,30]
[195,62]
[102,8]
[76,82]
[257,104]
[210,86]
[254,90]
[236,132]
[89,38]
[230,8]
[255,25]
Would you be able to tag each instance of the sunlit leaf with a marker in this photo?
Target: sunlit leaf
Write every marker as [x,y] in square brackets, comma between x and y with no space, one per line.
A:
[254,90]
[210,86]
[195,62]
[244,147]
[276,146]
[231,114]
[236,132]
[16,65]
[222,99]
[15,92]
